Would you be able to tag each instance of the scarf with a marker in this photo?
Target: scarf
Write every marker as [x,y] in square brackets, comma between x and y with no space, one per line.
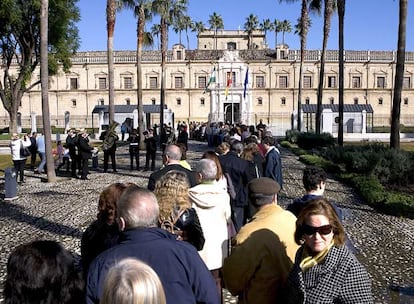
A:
[310,261]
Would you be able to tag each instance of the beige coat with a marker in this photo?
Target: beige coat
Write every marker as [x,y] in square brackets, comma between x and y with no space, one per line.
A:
[262,257]
[212,204]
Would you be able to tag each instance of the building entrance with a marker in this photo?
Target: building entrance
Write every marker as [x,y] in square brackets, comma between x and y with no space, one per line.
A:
[231,112]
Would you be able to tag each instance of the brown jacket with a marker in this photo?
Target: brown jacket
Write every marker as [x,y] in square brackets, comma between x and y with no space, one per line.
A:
[262,257]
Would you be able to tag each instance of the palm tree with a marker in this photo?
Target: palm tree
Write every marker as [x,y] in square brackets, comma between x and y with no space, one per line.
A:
[399,76]
[178,28]
[329,7]
[216,23]
[277,27]
[142,12]
[111,6]
[251,24]
[302,29]
[198,27]
[187,23]
[285,27]
[168,10]
[44,79]
[341,16]
[265,26]
[156,31]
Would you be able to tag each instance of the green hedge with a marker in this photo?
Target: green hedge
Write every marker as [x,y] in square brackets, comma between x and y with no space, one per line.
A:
[389,164]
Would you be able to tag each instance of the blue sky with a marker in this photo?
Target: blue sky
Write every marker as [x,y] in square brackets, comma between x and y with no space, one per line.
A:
[369,24]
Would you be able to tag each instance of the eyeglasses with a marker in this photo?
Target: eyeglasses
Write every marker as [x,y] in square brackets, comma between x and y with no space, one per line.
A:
[322,230]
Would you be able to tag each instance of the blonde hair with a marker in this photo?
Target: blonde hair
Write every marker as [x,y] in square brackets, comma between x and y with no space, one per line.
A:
[171,191]
[249,151]
[131,281]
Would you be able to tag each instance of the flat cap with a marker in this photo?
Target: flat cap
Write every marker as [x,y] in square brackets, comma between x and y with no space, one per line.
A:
[263,185]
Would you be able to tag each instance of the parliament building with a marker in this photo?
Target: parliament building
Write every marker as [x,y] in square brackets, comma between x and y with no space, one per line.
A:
[223,80]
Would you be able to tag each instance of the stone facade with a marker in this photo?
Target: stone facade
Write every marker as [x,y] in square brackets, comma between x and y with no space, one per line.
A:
[271,88]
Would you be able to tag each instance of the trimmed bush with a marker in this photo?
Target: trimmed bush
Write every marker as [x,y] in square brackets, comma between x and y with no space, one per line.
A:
[310,141]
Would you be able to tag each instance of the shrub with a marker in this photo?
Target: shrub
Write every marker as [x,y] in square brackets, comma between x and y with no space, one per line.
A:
[309,141]
[318,161]
[292,136]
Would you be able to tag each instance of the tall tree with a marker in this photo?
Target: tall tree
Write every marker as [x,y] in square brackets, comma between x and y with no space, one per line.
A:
[329,6]
[198,27]
[44,79]
[187,23]
[156,31]
[168,10]
[277,27]
[142,11]
[302,28]
[341,17]
[216,22]
[111,7]
[182,23]
[20,43]
[399,76]
[251,24]
[266,25]
[285,27]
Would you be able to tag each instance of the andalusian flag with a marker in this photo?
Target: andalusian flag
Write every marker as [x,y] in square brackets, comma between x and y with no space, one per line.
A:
[211,80]
[246,82]
[229,82]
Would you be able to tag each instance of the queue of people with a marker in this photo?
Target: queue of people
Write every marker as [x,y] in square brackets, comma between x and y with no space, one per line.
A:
[193,232]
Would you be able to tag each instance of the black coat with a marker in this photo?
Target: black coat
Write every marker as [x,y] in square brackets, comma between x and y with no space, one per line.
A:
[85,151]
[157,175]
[238,170]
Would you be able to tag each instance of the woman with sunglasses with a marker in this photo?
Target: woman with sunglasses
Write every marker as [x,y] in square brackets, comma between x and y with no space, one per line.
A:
[325,271]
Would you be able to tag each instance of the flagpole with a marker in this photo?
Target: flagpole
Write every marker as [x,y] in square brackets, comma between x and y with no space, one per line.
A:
[231,84]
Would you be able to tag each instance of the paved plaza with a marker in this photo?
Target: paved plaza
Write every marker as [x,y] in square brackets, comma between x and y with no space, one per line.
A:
[61,211]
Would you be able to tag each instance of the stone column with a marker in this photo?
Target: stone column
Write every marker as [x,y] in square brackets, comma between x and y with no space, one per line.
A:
[33,122]
[364,122]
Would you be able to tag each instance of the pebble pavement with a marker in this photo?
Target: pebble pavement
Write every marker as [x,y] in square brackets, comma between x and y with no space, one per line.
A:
[61,211]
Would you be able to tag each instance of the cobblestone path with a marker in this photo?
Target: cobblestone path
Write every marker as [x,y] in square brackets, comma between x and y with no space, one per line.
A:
[62,211]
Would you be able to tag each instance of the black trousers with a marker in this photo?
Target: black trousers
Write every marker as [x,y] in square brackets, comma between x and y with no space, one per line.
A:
[150,155]
[134,155]
[110,153]
[19,166]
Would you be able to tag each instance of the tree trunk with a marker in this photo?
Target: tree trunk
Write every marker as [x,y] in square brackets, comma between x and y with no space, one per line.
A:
[341,16]
[326,29]
[110,19]
[44,78]
[303,36]
[140,33]
[164,45]
[399,76]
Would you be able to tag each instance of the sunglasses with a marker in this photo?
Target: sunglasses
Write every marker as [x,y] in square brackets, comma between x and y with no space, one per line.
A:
[322,230]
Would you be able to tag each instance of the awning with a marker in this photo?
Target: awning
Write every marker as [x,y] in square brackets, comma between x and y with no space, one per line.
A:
[126,109]
[357,108]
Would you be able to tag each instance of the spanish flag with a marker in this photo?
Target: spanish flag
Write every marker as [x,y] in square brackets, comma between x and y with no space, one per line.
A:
[229,82]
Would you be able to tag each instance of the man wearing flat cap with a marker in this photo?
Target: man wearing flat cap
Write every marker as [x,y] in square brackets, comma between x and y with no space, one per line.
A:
[263,250]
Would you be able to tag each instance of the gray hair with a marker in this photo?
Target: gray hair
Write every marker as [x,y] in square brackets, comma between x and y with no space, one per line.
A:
[138,207]
[207,168]
[237,146]
[173,152]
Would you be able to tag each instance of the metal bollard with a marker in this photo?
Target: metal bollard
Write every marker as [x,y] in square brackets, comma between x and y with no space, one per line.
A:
[10,184]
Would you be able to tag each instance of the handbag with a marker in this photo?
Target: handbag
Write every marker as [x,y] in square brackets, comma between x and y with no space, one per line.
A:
[24,152]
[184,223]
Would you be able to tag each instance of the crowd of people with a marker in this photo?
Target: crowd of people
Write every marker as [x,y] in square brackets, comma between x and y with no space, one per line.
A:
[196,230]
